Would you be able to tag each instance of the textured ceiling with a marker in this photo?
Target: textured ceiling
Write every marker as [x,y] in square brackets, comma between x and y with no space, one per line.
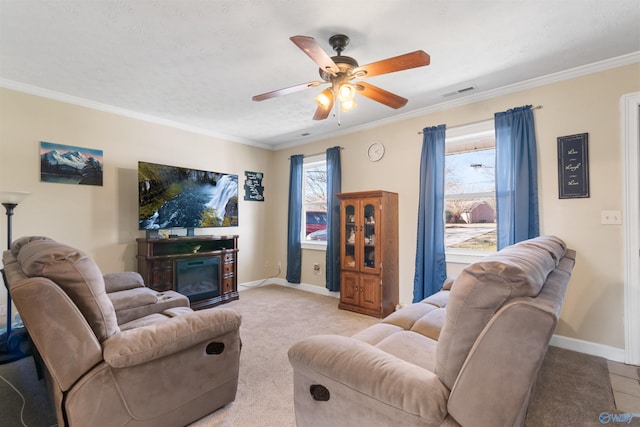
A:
[198,63]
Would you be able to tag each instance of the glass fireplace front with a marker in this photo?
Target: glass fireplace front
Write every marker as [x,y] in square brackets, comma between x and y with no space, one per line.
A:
[198,279]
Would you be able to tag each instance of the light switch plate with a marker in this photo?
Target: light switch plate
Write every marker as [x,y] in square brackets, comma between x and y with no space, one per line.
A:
[611,217]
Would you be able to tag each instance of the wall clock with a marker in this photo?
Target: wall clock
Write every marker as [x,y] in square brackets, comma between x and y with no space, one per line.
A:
[375,151]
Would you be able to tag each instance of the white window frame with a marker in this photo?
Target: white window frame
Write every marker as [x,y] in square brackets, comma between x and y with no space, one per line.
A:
[316,245]
[457,136]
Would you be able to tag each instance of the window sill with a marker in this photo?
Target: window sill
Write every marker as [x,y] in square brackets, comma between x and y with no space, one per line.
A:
[314,246]
[458,256]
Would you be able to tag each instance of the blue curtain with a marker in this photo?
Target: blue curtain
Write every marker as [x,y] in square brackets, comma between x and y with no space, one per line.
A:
[516,176]
[334,185]
[294,248]
[431,268]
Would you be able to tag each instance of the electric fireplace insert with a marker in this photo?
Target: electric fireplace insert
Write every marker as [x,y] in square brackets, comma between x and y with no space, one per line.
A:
[198,278]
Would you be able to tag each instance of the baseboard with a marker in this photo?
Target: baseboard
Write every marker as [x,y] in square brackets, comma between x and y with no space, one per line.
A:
[611,353]
[587,347]
[282,282]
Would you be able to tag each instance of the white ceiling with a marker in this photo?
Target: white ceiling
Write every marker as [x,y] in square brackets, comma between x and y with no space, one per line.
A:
[197,64]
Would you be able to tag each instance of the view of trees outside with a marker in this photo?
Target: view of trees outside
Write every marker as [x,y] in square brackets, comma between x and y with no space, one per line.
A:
[470,203]
[315,201]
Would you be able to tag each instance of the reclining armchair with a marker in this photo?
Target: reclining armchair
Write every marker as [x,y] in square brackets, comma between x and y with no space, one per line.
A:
[148,364]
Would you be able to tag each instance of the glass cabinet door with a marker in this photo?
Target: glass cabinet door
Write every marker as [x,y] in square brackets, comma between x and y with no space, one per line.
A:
[369,237]
[350,237]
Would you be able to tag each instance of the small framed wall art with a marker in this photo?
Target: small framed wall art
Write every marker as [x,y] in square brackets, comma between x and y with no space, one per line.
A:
[573,166]
[253,188]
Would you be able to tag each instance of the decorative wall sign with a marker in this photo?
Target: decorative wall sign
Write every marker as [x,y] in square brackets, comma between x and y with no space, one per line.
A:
[573,166]
[253,189]
[70,165]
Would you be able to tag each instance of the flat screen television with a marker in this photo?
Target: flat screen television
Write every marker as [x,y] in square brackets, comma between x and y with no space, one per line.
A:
[176,197]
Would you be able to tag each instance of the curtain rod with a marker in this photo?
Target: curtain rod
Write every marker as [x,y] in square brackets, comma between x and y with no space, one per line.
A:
[315,154]
[537,107]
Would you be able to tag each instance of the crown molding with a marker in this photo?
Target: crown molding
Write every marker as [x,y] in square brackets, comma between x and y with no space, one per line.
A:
[596,67]
[83,102]
[571,73]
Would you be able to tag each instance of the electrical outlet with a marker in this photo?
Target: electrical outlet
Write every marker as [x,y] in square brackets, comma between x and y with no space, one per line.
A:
[3,310]
[610,217]
[316,268]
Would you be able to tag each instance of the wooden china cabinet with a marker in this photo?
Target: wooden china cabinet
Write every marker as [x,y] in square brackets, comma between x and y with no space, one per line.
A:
[369,252]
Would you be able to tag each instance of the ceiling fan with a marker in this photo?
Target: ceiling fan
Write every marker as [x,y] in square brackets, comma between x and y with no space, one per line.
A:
[340,70]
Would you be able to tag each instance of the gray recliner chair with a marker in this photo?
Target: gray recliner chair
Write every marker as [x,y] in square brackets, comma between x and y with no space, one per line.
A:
[148,364]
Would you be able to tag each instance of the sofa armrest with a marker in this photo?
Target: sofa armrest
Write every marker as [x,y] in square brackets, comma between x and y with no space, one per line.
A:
[361,367]
[147,343]
[114,282]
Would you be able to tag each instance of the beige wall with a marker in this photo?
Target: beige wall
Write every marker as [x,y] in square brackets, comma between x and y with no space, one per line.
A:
[593,309]
[102,220]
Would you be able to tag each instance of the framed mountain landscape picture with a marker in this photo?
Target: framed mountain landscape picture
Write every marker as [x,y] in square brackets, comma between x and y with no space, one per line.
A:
[70,165]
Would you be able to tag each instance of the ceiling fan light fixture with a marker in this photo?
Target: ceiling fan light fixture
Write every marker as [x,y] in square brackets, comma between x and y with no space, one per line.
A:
[323,99]
[348,105]
[346,92]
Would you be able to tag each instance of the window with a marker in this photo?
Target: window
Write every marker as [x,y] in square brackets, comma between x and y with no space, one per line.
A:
[314,208]
[470,201]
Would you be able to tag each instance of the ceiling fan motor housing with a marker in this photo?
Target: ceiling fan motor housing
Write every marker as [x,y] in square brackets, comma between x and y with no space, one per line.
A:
[339,42]
[346,64]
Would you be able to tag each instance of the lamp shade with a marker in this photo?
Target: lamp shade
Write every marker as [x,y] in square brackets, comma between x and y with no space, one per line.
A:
[13,197]
[324,98]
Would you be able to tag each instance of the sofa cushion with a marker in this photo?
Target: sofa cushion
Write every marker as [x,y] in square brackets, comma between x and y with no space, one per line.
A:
[439,299]
[150,319]
[376,333]
[480,290]
[448,282]
[76,274]
[17,244]
[132,298]
[551,244]
[115,282]
[414,348]
[407,316]
[431,323]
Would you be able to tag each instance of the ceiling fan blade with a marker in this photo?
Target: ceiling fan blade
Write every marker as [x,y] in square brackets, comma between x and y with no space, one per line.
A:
[419,58]
[286,91]
[323,113]
[309,46]
[380,95]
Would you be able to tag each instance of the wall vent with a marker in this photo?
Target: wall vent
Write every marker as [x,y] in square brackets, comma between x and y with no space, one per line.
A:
[459,91]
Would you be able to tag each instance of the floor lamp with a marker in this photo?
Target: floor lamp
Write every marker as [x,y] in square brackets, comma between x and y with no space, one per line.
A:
[13,344]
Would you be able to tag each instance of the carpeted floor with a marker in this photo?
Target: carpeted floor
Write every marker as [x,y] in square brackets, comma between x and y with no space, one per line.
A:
[572,390]
[30,407]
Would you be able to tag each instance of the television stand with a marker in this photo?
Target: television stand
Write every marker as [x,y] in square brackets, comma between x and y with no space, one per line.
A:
[185,264]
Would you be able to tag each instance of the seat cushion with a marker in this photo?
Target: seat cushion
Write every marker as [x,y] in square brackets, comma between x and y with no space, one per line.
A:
[132,298]
[144,321]
[77,275]
[411,347]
